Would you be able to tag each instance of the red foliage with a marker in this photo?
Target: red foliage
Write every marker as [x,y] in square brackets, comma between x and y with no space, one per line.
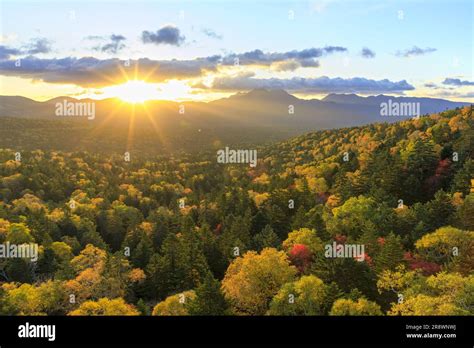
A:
[432,183]
[300,256]
[366,259]
[416,262]
[381,240]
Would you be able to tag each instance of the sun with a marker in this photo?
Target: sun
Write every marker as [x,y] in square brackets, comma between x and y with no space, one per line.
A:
[134,91]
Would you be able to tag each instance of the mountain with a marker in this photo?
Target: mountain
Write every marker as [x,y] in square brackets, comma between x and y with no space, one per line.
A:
[257,116]
[427,105]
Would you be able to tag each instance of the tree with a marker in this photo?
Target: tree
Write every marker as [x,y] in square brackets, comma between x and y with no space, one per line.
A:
[440,294]
[252,280]
[105,306]
[19,233]
[350,218]
[181,265]
[89,257]
[347,273]
[267,238]
[209,299]
[306,237]
[350,307]
[420,161]
[449,246]
[305,296]
[48,298]
[300,256]
[390,254]
[465,214]
[175,304]
[426,305]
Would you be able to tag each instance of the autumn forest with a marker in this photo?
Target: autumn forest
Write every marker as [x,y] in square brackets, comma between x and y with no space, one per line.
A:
[181,234]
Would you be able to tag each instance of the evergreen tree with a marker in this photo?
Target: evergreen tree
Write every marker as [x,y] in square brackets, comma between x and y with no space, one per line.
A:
[267,238]
[390,254]
[209,299]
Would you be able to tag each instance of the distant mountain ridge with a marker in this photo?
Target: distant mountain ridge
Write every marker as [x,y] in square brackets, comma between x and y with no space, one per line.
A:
[256,117]
[428,105]
[335,110]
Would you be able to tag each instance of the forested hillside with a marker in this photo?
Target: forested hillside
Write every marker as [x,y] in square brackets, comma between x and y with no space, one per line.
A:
[185,235]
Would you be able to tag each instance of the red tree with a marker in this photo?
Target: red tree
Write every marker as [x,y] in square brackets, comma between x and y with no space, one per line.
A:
[300,256]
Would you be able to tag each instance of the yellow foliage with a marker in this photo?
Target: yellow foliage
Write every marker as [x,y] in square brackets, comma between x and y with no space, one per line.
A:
[105,306]
[175,304]
[350,307]
[251,281]
[304,236]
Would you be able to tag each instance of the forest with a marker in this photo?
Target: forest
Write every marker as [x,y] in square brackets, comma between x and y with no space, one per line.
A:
[182,234]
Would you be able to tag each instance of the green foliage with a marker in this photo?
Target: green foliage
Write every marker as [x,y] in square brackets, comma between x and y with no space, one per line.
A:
[209,299]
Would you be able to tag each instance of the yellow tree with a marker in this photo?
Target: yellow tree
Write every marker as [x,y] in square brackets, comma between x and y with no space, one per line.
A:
[305,296]
[175,304]
[304,236]
[251,281]
[362,306]
[451,246]
[105,306]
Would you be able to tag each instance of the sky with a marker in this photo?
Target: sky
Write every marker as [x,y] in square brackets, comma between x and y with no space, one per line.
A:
[203,50]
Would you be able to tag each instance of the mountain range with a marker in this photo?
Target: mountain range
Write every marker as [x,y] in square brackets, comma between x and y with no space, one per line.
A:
[256,116]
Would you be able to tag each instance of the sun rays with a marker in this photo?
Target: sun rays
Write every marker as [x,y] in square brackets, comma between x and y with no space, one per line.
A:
[133,91]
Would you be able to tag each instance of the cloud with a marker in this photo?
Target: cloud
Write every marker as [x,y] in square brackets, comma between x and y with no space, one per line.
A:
[322,84]
[7,52]
[113,46]
[90,71]
[211,33]
[291,59]
[93,72]
[415,51]
[287,65]
[457,82]
[367,53]
[37,45]
[431,85]
[169,35]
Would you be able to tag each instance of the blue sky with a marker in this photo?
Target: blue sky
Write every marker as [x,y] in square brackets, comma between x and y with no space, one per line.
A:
[439,35]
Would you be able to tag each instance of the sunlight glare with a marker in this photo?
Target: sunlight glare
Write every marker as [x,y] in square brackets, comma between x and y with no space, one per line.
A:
[133,91]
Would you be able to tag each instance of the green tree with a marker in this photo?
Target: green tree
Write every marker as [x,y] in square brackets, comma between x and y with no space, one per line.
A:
[209,299]
[267,238]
